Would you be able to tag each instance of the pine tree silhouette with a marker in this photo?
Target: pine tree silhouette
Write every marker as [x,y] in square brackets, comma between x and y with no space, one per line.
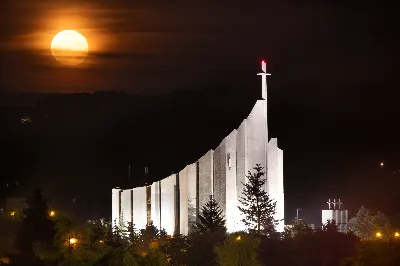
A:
[211,218]
[257,207]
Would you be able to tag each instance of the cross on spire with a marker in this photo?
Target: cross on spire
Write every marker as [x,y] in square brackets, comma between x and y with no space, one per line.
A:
[264,75]
[334,204]
[340,204]
[329,203]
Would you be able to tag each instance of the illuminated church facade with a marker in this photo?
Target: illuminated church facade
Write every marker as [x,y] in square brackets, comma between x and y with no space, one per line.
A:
[174,202]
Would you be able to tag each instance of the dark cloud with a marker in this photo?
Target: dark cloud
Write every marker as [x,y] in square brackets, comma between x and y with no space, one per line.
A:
[323,44]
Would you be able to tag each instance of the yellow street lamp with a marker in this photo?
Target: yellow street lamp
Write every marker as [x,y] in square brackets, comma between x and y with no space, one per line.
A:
[12,213]
[52,213]
[73,241]
[396,234]
[378,235]
[238,238]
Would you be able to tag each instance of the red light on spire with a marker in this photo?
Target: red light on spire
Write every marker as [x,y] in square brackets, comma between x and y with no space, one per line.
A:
[264,65]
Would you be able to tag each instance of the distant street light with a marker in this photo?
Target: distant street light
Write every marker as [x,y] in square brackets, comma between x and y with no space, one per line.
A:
[382,164]
[73,241]
[52,213]
[238,238]
[297,214]
[378,235]
[396,234]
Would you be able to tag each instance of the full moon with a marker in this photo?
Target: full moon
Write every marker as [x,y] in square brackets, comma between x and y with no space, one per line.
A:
[69,47]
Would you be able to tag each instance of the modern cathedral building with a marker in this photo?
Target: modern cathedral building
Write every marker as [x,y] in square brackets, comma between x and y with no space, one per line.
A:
[174,202]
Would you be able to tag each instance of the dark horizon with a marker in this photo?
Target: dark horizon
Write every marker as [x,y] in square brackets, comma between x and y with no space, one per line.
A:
[342,172]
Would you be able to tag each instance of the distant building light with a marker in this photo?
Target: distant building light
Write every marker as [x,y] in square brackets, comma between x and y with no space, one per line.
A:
[378,235]
[26,120]
[382,164]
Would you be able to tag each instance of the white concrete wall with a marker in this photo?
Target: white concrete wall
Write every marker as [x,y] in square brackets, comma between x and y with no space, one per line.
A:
[257,136]
[187,196]
[139,207]
[232,219]
[340,216]
[206,172]
[155,204]
[126,206]
[183,196]
[241,167]
[280,206]
[168,204]
[220,176]
[225,180]
[275,180]
[192,194]
[327,215]
[115,208]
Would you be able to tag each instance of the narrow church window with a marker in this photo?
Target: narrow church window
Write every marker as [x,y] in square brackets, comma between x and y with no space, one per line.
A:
[229,161]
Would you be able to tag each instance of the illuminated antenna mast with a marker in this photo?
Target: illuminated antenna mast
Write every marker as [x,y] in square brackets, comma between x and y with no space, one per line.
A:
[264,75]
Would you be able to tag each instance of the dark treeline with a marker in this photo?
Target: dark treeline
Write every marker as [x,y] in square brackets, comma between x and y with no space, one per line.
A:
[41,236]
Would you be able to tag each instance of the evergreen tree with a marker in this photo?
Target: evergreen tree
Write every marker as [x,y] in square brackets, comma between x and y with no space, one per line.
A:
[150,235]
[330,226]
[238,249]
[362,225]
[207,233]
[211,218]
[132,234]
[176,250]
[258,208]
[36,226]
[114,236]
[298,229]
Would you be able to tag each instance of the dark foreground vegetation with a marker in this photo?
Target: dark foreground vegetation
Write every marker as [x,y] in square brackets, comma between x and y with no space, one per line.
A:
[40,236]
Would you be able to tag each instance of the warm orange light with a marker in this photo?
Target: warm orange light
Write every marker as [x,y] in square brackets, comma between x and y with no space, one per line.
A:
[396,234]
[378,234]
[69,47]
[382,164]
[238,238]
[73,241]
[12,213]
[52,213]
[101,241]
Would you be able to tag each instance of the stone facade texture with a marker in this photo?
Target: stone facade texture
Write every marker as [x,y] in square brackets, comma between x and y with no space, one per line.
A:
[139,207]
[183,196]
[168,204]
[155,204]
[206,177]
[126,206]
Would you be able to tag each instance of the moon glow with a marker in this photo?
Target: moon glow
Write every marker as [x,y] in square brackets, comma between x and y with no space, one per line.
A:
[69,47]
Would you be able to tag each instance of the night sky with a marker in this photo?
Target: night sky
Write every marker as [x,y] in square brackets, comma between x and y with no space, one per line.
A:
[190,73]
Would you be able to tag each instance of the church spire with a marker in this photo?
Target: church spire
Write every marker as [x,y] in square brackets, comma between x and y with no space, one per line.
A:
[264,75]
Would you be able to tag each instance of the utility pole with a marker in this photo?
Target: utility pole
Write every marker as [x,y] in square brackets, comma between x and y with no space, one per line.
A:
[297,214]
